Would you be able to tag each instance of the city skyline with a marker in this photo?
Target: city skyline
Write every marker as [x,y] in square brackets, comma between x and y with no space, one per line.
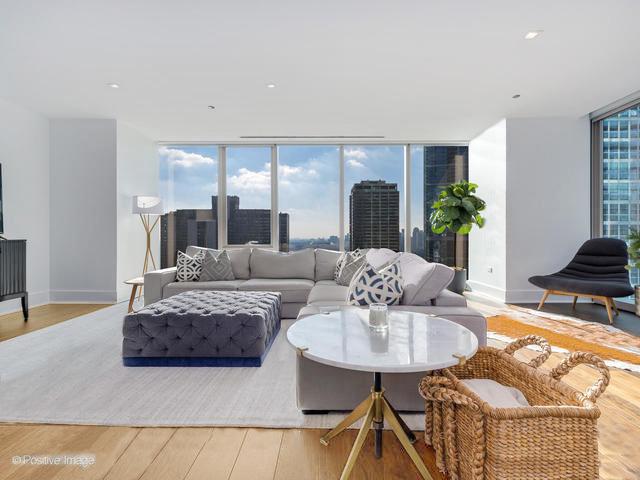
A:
[308,177]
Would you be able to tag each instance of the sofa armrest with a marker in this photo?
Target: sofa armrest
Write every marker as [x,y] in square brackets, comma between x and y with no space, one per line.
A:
[154,283]
[447,298]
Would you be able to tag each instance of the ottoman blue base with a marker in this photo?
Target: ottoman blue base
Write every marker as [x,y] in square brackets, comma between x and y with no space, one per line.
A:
[202,329]
[199,361]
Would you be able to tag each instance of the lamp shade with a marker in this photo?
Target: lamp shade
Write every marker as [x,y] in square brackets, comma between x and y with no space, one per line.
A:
[147,205]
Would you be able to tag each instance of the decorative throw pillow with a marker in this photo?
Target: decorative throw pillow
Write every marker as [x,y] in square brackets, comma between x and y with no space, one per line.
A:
[216,267]
[350,266]
[188,268]
[370,286]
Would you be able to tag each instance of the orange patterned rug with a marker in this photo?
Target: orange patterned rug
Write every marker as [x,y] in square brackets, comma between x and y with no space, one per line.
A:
[569,334]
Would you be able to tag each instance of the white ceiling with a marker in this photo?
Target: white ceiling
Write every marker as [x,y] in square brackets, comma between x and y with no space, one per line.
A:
[409,70]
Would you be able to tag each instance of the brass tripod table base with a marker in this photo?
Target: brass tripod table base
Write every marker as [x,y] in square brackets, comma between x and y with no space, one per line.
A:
[375,409]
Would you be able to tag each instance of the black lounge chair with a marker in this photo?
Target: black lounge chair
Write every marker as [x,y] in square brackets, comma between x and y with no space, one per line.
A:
[597,272]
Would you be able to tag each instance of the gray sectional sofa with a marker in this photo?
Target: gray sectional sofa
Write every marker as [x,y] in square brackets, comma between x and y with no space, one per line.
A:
[305,280]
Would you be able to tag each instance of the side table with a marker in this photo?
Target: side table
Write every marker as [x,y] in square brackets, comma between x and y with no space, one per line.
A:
[135,283]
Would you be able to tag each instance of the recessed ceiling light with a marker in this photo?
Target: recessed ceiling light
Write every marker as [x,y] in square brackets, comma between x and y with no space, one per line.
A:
[212,107]
[532,34]
[113,85]
[271,85]
[517,95]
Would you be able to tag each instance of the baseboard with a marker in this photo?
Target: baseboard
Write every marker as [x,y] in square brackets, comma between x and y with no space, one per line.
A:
[35,300]
[488,292]
[83,296]
[535,295]
[483,291]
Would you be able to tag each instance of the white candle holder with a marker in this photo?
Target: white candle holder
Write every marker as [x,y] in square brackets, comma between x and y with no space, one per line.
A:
[378,316]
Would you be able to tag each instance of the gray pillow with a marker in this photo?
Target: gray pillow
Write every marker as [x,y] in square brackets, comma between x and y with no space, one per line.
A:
[239,259]
[326,261]
[352,264]
[216,267]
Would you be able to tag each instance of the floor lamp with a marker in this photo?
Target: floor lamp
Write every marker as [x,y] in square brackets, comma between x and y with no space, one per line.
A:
[147,207]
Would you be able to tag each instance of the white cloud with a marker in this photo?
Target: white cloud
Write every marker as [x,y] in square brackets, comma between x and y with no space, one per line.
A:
[180,158]
[248,180]
[355,153]
[352,162]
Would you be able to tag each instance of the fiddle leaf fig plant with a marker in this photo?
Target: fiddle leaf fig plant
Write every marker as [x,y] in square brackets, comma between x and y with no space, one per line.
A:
[457,209]
[634,249]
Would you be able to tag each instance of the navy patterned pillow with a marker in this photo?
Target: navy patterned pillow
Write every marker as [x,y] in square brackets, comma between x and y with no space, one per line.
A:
[188,268]
[370,286]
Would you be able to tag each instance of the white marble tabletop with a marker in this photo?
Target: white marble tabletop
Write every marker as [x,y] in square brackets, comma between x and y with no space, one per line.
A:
[414,342]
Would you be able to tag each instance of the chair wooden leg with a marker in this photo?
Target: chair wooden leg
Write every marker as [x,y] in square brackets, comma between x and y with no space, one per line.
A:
[608,303]
[573,304]
[544,299]
[615,307]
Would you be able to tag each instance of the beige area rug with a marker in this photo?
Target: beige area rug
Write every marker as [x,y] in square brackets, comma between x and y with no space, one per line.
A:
[72,373]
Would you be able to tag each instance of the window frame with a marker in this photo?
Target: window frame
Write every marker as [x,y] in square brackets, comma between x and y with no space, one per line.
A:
[274,245]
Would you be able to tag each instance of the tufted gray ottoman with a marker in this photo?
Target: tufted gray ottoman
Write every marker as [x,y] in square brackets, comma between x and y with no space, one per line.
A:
[203,328]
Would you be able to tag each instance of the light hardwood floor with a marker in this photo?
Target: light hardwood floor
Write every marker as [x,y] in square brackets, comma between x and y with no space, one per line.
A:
[236,453]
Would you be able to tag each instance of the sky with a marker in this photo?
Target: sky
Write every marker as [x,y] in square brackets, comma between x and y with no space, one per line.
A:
[308,180]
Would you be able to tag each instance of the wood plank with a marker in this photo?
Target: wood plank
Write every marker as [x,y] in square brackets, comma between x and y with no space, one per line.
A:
[140,453]
[175,459]
[258,456]
[13,324]
[300,455]
[218,456]
[106,443]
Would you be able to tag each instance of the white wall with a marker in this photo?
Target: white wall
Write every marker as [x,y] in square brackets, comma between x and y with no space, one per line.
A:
[546,205]
[487,246]
[83,210]
[137,174]
[24,154]
[548,195]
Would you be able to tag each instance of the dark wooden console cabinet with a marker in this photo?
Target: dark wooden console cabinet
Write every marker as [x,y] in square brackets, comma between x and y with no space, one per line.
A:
[13,272]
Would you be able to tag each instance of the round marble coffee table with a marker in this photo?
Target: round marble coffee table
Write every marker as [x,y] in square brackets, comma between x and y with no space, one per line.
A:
[414,342]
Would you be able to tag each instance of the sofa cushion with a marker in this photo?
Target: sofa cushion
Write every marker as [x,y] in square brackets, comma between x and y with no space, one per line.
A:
[293,290]
[328,291]
[381,257]
[270,264]
[174,288]
[423,281]
[326,262]
[239,259]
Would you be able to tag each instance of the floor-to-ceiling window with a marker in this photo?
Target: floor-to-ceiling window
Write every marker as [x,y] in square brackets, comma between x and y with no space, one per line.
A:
[248,186]
[189,188]
[617,166]
[374,205]
[433,168]
[308,193]
[290,197]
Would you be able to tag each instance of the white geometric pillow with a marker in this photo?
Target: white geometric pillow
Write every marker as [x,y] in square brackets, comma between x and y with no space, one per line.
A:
[188,268]
[370,286]
[351,265]
[216,267]
[341,260]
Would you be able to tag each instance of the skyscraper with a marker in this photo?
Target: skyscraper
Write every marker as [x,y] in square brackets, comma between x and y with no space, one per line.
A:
[621,176]
[199,227]
[443,165]
[374,215]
